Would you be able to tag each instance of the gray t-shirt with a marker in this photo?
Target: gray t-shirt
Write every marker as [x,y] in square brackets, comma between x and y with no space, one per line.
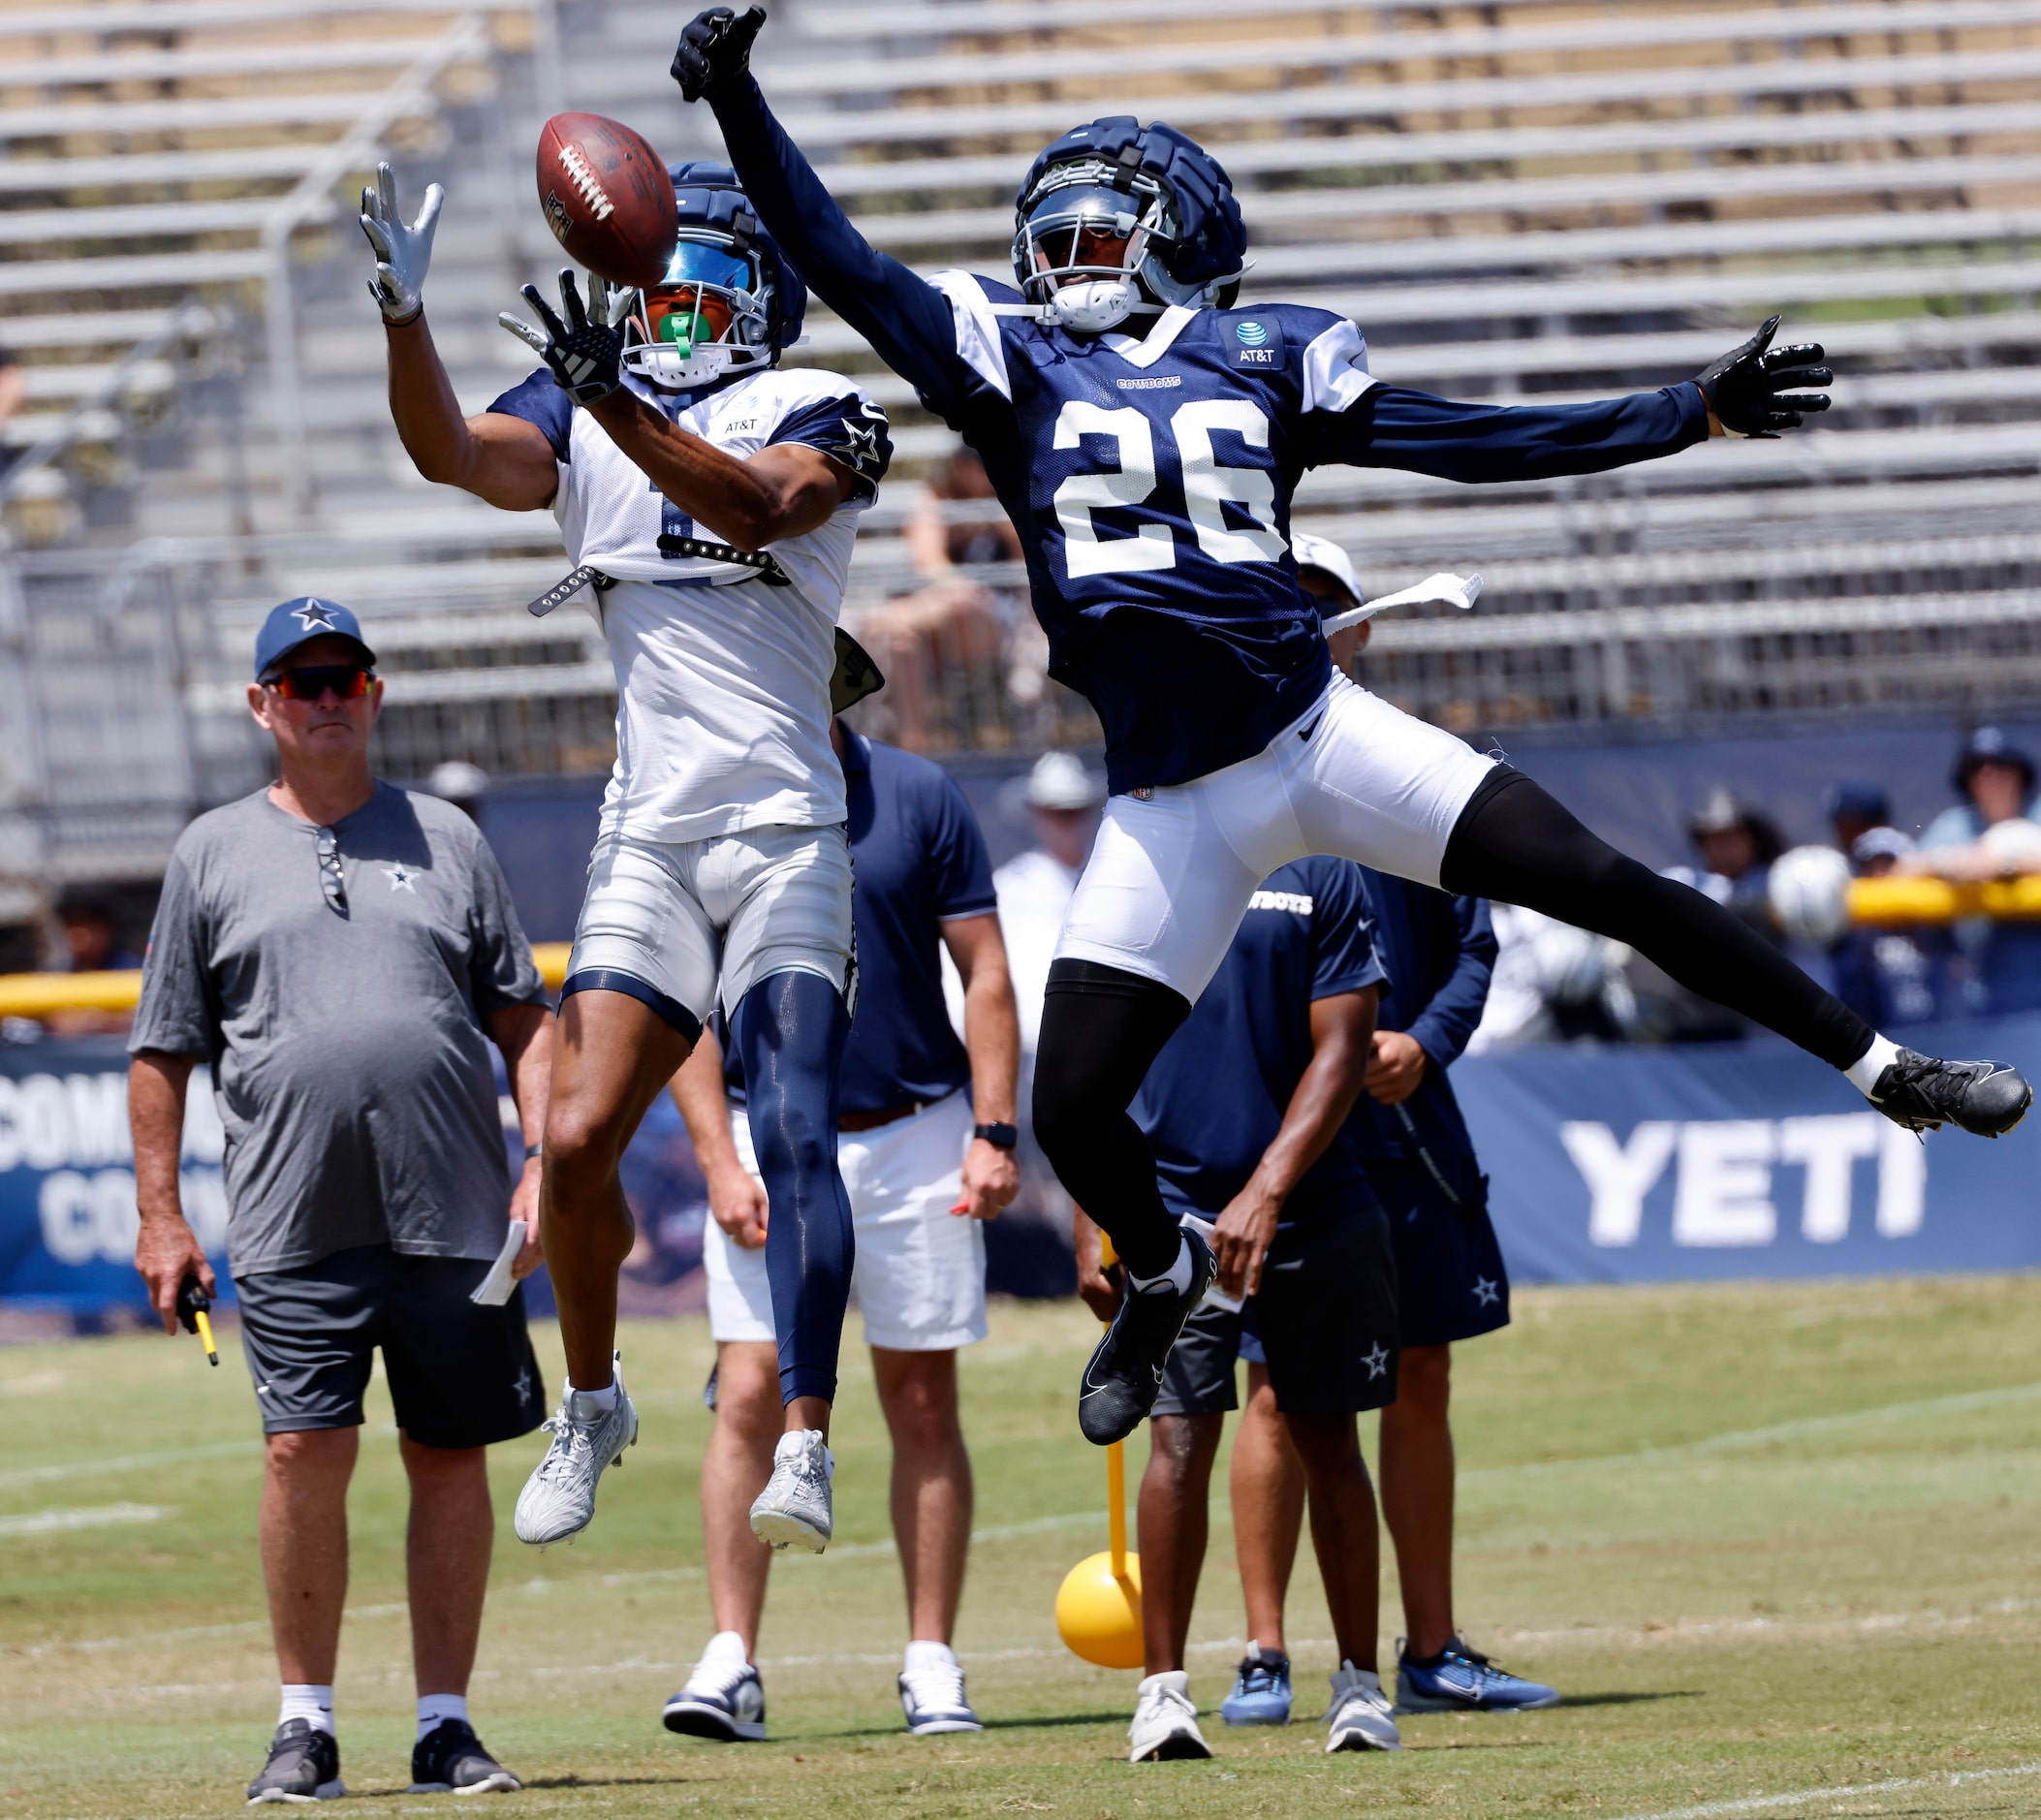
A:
[349,1058]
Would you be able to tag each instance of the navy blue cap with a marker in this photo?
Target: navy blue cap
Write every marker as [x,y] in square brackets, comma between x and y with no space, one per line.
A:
[1989,745]
[1867,803]
[297,623]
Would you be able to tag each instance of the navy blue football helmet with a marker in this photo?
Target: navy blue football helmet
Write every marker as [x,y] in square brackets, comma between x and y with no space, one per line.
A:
[1116,218]
[730,302]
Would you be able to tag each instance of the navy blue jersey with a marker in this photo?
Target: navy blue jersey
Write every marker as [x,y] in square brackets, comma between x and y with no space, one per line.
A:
[920,859]
[1439,952]
[1150,476]
[1215,1098]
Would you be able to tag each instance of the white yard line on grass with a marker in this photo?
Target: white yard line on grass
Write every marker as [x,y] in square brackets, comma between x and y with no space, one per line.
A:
[1800,1797]
[50,1522]
[125,1463]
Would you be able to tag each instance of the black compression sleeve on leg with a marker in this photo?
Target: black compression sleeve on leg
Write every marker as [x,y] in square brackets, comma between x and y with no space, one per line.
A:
[1101,1030]
[1516,844]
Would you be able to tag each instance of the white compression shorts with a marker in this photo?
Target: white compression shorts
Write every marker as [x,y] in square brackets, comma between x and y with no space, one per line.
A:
[1170,874]
[920,1274]
[671,918]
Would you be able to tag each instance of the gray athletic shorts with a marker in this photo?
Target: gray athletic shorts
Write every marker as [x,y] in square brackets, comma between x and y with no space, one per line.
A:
[1324,1323]
[459,1375]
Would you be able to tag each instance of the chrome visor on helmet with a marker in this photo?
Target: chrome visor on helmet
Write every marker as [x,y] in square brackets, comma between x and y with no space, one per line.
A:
[710,315]
[1095,253]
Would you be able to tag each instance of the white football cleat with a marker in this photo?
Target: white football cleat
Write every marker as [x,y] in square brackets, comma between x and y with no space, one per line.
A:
[1360,1717]
[795,1505]
[1165,1724]
[558,1499]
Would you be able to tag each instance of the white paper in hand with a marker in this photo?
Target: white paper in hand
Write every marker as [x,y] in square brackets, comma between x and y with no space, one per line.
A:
[494,1289]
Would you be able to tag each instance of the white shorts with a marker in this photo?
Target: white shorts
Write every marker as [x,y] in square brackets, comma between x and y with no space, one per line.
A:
[919,1270]
[1170,874]
[674,917]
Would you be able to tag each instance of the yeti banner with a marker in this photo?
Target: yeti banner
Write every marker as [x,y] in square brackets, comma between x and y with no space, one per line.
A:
[1632,1165]
[67,1177]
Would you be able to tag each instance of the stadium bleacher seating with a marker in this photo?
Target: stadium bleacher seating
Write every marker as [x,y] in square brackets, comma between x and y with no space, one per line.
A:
[1517,198]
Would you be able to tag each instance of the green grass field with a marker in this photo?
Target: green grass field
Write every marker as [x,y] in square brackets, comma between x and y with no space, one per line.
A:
[1773,1542]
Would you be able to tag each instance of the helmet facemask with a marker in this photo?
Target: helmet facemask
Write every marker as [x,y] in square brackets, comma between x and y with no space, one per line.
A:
[1094,244]
[710,316]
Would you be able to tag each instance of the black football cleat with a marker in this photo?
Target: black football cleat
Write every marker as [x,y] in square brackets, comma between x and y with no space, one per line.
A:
[1124,1377]
[449,1760]
[304,1765]
[1987,1099]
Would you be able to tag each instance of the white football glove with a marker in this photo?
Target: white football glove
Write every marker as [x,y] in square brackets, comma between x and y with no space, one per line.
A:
[402,254]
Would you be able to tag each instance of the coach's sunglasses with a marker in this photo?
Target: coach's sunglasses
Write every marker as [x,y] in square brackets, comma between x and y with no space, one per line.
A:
[332,881]
[349,682]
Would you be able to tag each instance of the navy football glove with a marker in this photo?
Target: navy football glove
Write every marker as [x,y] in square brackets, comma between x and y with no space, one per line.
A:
[1751,392]
[585,351]
[715,49]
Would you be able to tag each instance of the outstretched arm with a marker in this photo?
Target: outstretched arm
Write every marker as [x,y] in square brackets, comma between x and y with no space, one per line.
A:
[500,459]
[904,317]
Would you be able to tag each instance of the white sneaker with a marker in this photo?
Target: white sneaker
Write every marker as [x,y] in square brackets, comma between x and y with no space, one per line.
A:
[558,1499]
[795,1505]
[1360,1717]
[1165,1721]
[932,1692]
[723,1698]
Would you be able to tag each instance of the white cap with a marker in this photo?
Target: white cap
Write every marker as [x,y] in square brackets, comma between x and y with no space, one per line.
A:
[1321,552]
[1060,781]
[458,781]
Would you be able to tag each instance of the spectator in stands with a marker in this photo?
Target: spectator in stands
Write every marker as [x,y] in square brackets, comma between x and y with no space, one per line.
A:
[1737,845]
[1034,890]
[1991,835]
[13,393]
[945,643]
[342,953]
[1906,976]
[1854,810]
[90,922]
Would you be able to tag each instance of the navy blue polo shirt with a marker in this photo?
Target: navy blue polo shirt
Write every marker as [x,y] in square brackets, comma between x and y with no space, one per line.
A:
[1215,1098]
[1440,952]
[920,861]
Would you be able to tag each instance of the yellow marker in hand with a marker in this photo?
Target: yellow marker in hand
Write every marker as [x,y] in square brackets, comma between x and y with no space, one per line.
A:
[192,1303]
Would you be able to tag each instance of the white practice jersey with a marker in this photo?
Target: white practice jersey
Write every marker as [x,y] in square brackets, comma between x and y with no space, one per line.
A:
[722,680]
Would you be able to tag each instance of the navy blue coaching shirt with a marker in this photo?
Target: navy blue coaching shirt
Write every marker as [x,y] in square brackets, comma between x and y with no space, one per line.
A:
[1439,952]
[1215,1098]
[920,861]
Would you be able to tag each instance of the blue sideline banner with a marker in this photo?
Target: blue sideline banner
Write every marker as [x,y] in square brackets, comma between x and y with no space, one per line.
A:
[1749,1159]
[67,1177]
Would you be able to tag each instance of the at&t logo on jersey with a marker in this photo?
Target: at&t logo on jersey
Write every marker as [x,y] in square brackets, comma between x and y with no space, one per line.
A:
[1259,344]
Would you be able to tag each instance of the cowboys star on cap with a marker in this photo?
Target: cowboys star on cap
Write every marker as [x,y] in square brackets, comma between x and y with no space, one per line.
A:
[314,615]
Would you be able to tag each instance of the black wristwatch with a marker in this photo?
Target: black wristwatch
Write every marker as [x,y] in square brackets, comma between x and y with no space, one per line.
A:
[999,1137]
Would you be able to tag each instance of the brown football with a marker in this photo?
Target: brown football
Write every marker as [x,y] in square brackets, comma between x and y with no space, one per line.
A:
[607,198]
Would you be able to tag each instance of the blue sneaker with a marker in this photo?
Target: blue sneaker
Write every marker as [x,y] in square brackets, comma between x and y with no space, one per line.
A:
[1461,1679]
[1260,1689]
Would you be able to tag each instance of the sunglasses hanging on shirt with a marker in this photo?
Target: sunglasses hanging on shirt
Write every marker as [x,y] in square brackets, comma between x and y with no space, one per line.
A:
[332,881]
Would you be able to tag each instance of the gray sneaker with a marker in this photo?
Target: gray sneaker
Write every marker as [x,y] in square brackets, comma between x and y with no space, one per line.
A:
[795,1505]
[558,1499]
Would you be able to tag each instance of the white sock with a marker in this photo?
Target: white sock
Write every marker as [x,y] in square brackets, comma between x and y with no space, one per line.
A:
[303,1700]
[583,1404]
[1177,1276]
[726,1646]
[1865,1071]
[928,1655]
[433,1708]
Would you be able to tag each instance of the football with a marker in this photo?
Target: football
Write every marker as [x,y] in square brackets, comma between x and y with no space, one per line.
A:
[607,198]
